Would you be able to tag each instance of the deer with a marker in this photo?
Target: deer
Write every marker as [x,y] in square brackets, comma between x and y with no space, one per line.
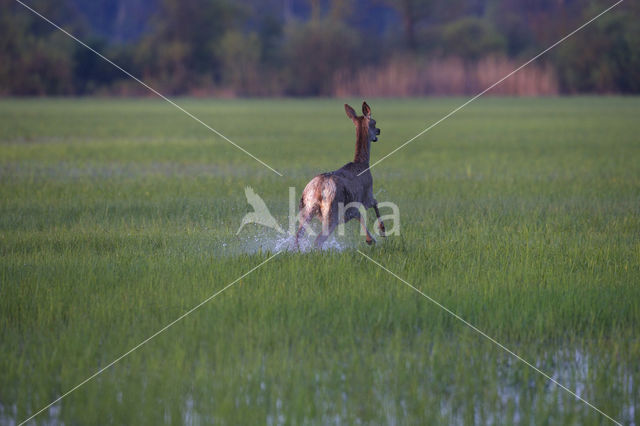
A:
[327,194]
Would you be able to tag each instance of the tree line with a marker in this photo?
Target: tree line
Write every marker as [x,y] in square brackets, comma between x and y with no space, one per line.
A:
[318,47]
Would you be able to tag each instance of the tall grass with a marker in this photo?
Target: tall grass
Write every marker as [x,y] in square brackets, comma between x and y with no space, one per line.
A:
[520,215]
[411,77]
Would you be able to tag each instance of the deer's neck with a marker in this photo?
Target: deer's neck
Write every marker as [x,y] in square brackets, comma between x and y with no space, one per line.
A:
[363,145]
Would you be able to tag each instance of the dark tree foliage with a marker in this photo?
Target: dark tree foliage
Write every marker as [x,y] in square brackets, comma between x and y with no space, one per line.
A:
[314,51]
[412,12]
[605,59]
[471,38]
[35,59]
[294,47]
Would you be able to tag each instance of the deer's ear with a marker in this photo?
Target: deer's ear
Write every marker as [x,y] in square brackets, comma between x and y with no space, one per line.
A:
[366,110]
[350,112]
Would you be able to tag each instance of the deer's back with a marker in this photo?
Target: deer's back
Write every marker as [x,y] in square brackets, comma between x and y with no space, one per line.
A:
[340,186]
[354,187]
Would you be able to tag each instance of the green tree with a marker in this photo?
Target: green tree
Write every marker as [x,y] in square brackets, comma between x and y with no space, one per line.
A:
[183,46]
[471,39]
[411,12]
[604,59]
[315,51]
[240,56]
[35,58]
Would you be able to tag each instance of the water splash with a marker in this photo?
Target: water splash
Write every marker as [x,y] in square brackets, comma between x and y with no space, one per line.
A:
[270,240]
[307,243]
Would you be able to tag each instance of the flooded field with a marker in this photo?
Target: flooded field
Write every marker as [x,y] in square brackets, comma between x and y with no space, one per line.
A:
[521,216]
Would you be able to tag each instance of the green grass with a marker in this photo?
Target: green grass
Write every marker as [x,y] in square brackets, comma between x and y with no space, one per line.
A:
[520,215]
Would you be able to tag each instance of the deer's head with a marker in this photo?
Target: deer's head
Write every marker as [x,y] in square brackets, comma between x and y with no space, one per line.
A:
[364,123]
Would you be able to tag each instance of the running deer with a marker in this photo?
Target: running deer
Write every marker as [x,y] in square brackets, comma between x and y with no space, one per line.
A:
[328,194]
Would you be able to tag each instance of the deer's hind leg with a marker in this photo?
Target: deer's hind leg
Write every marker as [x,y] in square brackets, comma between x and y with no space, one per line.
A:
[305,219]
[329,212]
[328,226]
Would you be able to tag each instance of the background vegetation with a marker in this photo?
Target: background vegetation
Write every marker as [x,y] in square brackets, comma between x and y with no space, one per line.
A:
[318,47]
[116,216]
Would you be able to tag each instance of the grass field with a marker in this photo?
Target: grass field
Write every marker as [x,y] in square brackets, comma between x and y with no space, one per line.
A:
[520,215]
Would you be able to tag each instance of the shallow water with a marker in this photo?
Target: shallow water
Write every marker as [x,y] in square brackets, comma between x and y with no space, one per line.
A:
[268,240]
[516,404]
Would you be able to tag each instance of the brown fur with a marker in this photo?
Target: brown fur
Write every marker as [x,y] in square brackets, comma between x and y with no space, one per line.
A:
[324,193]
